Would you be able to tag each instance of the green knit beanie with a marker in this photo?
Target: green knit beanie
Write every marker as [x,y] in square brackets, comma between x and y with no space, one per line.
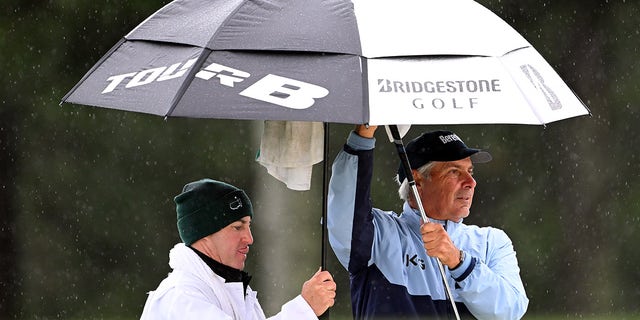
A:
[206,206]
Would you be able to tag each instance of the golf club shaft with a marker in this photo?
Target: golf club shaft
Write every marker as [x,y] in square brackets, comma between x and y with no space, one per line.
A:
[406,166]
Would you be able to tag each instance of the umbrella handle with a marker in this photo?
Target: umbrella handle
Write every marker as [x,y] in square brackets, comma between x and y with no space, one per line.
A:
[404,160]
[325,191]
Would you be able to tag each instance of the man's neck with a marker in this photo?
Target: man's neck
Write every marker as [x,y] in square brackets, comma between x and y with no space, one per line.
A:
[229,274]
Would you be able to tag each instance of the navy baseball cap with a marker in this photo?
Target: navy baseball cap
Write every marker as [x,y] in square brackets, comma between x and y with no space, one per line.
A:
[439,145]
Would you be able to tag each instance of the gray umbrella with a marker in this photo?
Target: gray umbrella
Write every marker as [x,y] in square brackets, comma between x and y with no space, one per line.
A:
[361,61]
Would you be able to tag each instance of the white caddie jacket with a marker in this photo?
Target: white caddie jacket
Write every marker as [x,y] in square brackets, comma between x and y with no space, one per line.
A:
[193,291]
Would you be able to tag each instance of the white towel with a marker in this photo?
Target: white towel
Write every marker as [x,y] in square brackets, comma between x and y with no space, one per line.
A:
[289,149]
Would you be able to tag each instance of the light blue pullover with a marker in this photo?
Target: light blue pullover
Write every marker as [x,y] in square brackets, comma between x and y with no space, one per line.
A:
[392,276]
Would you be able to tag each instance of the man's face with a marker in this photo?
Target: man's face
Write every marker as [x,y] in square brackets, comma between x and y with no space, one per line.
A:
[230,245]
[448,194]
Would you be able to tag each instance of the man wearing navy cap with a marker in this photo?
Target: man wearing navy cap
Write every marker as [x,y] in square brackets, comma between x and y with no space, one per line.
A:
[391,258]
[208,281]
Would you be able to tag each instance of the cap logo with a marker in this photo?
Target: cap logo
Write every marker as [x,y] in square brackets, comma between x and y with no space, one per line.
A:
[235,204]
[450,138]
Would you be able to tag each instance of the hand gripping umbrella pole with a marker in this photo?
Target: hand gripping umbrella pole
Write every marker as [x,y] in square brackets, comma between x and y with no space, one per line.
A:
[404,160]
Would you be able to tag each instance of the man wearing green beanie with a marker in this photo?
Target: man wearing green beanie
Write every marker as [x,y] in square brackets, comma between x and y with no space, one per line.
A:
[208,281]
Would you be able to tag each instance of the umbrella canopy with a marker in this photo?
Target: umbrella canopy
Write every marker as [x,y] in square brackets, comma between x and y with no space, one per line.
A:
[361,61]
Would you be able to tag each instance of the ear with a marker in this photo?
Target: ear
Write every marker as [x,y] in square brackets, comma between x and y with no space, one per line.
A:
[417,177]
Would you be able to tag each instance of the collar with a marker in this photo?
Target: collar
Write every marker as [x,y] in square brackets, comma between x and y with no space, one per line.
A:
[414,214]
[227,273]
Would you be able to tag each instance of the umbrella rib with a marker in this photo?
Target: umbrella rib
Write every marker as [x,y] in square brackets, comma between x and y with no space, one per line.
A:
[95,66]
[580,99]
[148,18]
[224,23]
[197,65]
[533,110]
[189,78]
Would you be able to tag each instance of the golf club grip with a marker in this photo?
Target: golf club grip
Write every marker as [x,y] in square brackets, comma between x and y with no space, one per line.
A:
[406,167]
[402,153]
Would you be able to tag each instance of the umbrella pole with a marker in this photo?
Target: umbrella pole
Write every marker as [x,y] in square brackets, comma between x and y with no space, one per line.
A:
[325,191]
[404,159]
